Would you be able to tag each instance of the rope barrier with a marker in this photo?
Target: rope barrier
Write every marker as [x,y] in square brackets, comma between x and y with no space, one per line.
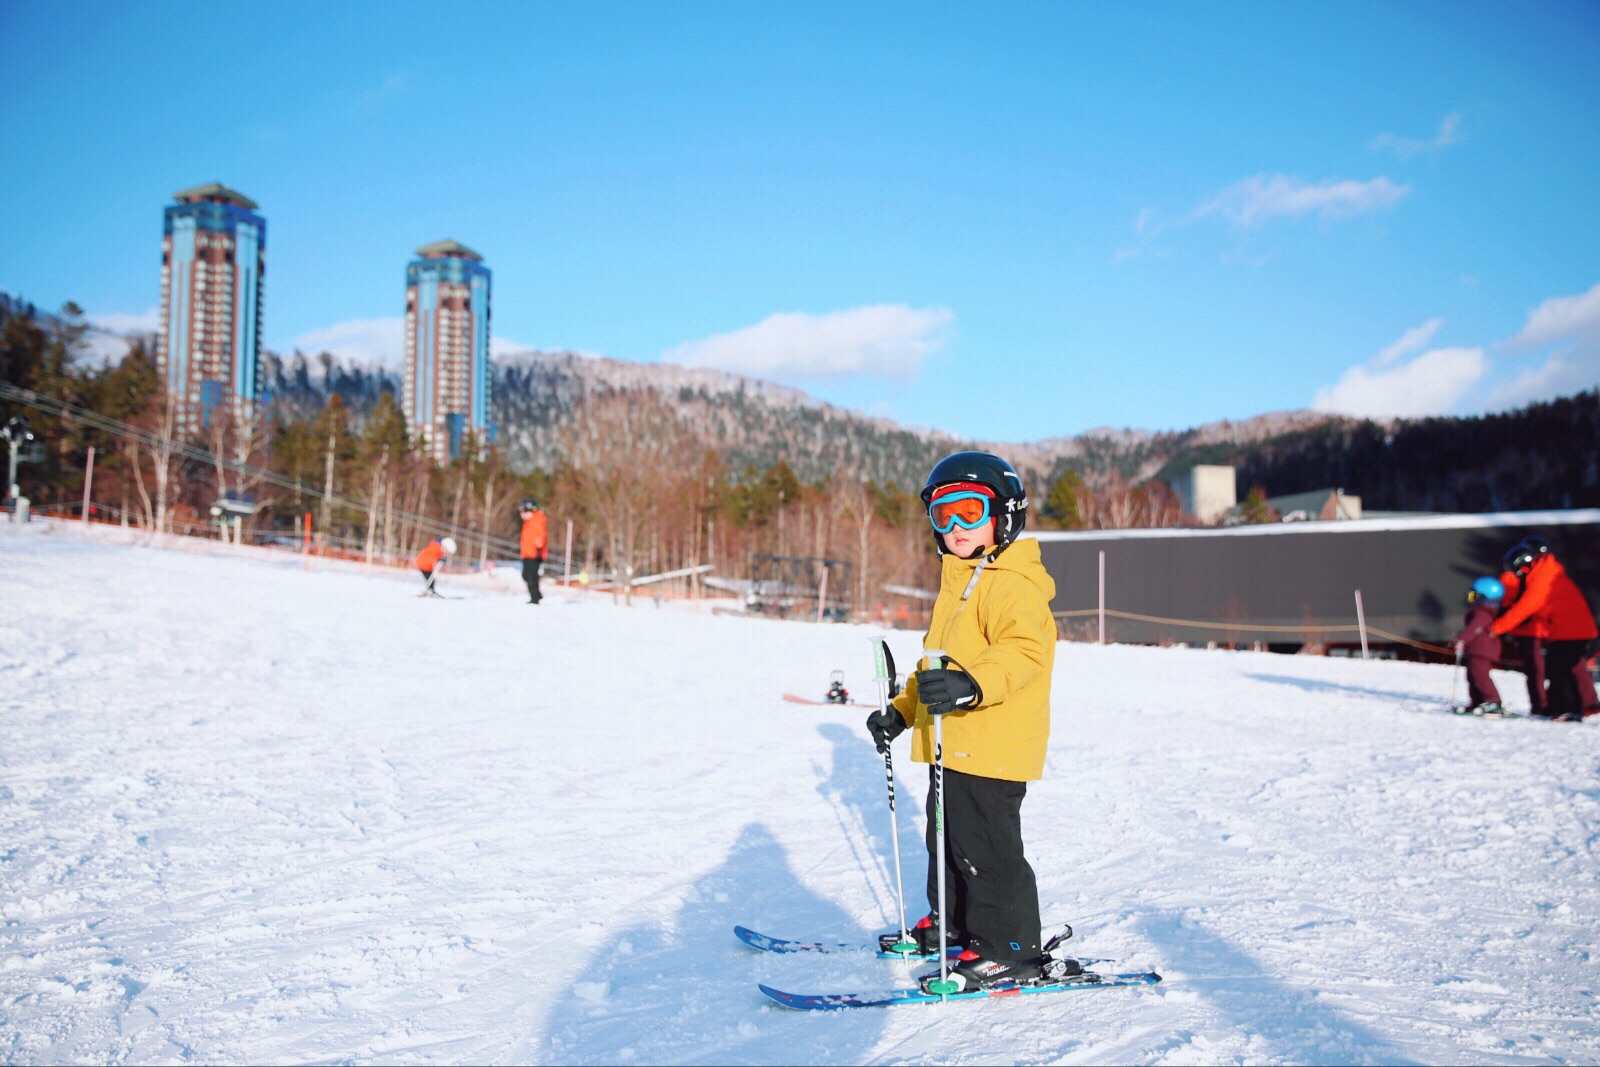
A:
[1199,624]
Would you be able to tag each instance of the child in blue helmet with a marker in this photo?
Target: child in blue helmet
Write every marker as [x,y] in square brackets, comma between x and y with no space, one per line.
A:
[1478,647]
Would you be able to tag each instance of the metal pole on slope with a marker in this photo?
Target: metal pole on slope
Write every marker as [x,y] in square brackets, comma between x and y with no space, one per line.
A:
[1102,596]
[1455,679]
[566,564]
[883,664]
[88,482]
[944,986]
[1361,622]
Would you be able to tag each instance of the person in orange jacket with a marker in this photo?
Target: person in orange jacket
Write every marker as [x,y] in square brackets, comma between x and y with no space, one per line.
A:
[535,535]
[428,560]
[1527,642]
[1549,595]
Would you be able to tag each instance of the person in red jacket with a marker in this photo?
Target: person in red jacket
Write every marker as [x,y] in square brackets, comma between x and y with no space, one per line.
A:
[1527,643]
[1549,595]
[428,560]
[1478,647]
[535,534]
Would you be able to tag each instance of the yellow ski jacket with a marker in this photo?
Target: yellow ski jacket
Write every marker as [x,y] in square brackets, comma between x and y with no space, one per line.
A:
[1004,636]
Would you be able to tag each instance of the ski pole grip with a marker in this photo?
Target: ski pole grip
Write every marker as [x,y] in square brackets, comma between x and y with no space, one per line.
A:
[932,659]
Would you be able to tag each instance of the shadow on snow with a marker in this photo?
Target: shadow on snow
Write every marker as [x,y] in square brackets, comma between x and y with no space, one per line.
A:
[1297,1026]
[1312,685]
[684,990]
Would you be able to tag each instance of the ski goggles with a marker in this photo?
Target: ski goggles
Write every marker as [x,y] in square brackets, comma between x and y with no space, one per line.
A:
[968,510]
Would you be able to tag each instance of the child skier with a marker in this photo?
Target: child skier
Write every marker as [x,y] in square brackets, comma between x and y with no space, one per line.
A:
[992,619]
[1479,647]
[427,561]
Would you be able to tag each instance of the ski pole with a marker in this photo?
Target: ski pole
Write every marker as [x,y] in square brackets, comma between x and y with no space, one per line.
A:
[883,663]
[433,576]
[944,986]
[1455,678]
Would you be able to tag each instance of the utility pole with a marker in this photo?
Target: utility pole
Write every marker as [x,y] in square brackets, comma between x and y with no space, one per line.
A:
[327,489]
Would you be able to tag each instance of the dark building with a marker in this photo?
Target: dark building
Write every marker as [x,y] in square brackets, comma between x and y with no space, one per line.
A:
[1289,584]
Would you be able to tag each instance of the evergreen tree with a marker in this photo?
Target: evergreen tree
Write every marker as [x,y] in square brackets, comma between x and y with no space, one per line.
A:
[1061,508]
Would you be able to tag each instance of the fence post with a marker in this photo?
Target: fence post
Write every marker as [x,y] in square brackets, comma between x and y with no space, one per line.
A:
[88,483]
[822,593]
[1361,621]
[1102,596]
[566,567]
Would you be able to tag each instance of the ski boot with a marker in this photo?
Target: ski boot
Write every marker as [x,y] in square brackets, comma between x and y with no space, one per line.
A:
[973,972]
[924,935]
[1489,709]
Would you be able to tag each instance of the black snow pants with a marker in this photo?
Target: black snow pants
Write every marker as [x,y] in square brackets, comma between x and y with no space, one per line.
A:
[1571,687]
[530,575]
[989,887]
[1530,650]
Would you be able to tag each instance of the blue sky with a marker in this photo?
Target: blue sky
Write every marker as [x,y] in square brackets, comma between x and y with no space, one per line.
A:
[1007,221]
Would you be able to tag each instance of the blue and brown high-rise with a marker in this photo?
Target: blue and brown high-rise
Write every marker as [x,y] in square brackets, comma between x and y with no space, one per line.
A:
[446,391]
[213,266]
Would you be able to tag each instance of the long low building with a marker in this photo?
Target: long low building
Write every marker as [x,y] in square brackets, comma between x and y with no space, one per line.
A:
[1293,584]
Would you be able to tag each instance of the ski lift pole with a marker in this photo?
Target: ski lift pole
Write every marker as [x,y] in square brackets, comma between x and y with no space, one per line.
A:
[944,986]
[883,662]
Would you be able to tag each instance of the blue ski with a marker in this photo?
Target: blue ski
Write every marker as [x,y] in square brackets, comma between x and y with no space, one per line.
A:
[888,998]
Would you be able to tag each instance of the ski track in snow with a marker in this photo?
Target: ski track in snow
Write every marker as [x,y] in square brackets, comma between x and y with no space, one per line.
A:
[250,812]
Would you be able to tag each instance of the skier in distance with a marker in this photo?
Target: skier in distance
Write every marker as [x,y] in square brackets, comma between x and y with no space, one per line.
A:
[427,560]
[992,619]
[1551,600]
[535,534]
[1479,647]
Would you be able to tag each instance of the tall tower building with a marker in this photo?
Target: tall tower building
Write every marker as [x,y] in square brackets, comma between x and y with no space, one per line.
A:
[447,347]
[213,262]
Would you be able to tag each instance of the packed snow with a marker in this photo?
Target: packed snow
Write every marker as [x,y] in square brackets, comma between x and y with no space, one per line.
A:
[251,811]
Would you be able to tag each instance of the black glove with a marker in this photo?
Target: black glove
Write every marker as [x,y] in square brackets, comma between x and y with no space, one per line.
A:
[947,689]
[885,725]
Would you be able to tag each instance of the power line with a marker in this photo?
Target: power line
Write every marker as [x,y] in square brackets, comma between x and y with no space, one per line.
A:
[188,450]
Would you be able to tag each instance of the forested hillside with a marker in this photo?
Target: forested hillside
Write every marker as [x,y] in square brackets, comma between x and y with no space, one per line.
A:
[1541,456]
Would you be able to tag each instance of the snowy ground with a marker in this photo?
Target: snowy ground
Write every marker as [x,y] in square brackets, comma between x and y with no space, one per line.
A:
[254,813]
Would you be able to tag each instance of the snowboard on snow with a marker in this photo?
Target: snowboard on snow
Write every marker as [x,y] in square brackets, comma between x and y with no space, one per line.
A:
[796,699]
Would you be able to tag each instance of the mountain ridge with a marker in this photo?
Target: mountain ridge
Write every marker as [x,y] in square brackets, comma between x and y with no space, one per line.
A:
[756,422]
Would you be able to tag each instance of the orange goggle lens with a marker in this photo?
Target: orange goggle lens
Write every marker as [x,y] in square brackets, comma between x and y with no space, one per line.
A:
[970,510]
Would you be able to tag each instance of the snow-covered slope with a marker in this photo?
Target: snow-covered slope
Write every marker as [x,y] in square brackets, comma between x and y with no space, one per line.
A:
[254,813]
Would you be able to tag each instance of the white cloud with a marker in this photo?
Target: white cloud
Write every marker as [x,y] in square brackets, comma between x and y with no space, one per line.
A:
[500,347]
[1413,340]
[141,322]
[1572,325]
[1431,384]
[381,341]
[1262,198]
[374,98]
[879,341]
[1406,147]
[1560,318]
[107,338]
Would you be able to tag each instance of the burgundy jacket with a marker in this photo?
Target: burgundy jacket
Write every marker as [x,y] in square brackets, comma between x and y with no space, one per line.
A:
[1476,636]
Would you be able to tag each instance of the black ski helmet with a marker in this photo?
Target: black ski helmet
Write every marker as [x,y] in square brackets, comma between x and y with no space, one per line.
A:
[528,504]
[1522,556]
[1010,507]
